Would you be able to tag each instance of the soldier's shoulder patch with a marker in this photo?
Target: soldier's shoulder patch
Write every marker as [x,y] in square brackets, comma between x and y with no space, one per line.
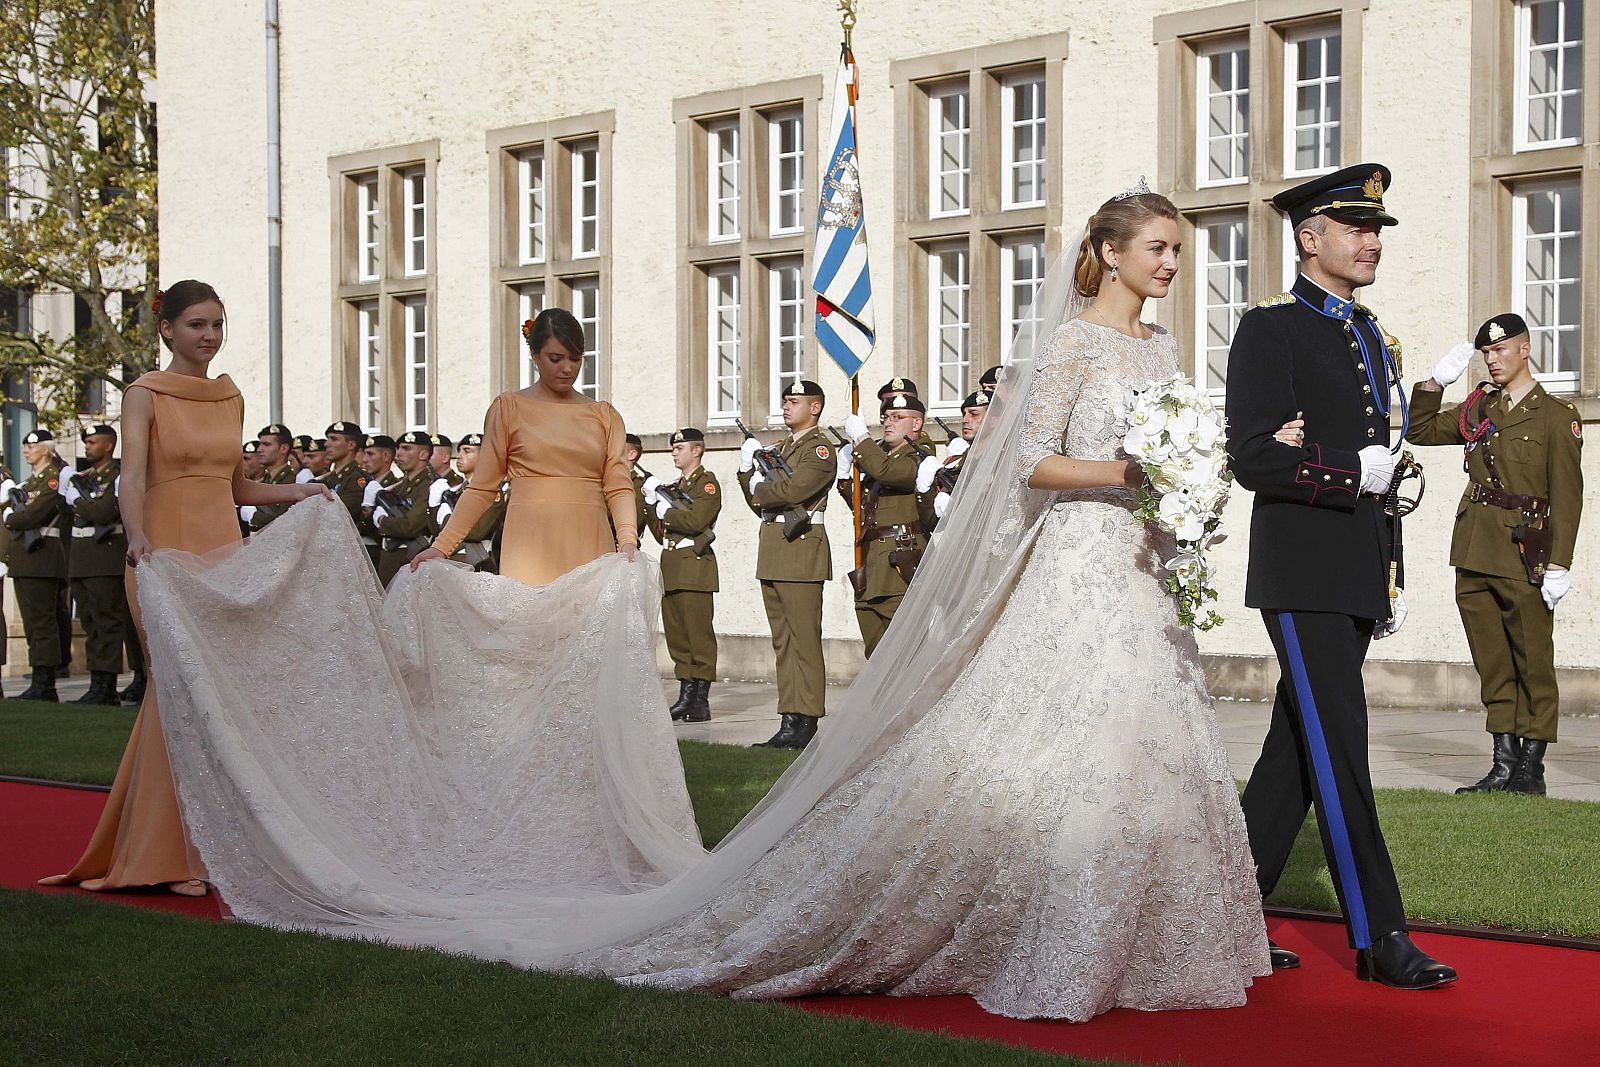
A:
[361,483]
[711,489]
[54,483]
[1276,301]
[822,452]
[1577,429]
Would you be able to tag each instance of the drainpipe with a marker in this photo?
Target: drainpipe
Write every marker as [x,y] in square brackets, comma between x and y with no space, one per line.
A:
[274,226]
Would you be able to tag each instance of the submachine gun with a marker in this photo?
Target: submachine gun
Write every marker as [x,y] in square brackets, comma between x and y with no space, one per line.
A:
[796,520]
[701,542]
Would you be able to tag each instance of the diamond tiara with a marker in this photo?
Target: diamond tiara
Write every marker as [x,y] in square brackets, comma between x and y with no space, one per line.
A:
[1138,188]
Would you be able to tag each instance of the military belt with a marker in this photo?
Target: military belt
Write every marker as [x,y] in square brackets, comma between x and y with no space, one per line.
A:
[48,531]
[777,516]
[885,533]
[1478,493]
[97,531]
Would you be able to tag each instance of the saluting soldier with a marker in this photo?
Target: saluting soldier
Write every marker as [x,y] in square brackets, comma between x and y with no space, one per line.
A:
[477,549]
[895,475]
[277,468]
[793,559]
[1515,530]
[407,527]
[97,561]
[443,452]
[377,460]
[973,409]
[344,474]
[684,518]
[38,520]
[1320,554]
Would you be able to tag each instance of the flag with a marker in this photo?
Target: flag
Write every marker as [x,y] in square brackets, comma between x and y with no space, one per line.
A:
[840,277]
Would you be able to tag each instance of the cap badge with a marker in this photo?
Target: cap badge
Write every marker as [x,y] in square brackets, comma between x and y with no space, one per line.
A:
[1497,332]
[797,389]
[1372,188]
[898,383]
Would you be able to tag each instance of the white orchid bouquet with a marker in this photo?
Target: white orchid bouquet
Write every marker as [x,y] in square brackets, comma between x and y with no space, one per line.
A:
[1180,440]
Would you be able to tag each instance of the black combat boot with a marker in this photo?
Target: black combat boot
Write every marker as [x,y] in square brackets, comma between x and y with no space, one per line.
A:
[102,690]
[134,694]
[1528,777]
[1396,961]
[805,728]
[781,739]
[699,709]
[43,686]
[1507,748]
[680,706]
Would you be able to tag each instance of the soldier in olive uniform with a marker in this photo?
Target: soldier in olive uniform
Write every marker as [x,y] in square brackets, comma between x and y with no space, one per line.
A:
[989,382]
[632,451]
[793,559]
[251,454]
[683,518]
[443,451]
[377,460]
[401,516]
[895,474]
[277,468]
[97,561]
[38,521]
[1515,530]
[344,474]
[477,549]
[973,409]
[313,458]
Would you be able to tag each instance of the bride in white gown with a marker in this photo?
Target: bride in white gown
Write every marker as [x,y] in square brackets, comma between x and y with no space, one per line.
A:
[1023,797]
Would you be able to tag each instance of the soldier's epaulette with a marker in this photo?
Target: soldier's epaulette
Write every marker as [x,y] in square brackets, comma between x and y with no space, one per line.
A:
[1276,301]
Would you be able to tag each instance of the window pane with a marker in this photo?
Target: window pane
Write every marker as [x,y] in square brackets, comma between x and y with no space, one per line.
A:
[530,301]
[586,199]
[951,147]
[1022,135]
[530,171]
[722,181]
[723,355]
[950,323]
[1548,282]
[1223,245]
[586,308]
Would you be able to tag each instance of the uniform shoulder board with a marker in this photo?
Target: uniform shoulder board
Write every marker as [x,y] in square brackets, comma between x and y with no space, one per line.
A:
[1276,301]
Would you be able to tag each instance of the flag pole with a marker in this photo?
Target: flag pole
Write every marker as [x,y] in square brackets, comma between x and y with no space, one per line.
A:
[847,23]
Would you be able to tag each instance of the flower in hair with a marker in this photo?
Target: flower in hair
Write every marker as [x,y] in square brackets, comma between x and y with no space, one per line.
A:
[527,331]
[155,305]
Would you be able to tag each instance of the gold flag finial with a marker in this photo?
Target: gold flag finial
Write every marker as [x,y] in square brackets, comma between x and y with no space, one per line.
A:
[847,18]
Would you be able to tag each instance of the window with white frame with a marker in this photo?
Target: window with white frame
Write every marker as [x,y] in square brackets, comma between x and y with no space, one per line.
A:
[1021,274]
[369,347]
[1547,276]
[416,342]
[786,307]
[722,179]
[1022,141]
[586,309]
[786,169]
[585,199]
[1223,124]
[530,301]
[1222,255]
[368,252]
[949,325]
[1549,72]
[415,182]
[723,337]
[530,206]
[1312,100]
[949,150]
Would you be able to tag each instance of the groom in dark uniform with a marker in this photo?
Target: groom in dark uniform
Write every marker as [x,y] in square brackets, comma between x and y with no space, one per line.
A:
[1321,550]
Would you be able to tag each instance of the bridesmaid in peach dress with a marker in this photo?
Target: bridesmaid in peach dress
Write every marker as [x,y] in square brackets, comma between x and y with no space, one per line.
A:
[562,453]
[182,476]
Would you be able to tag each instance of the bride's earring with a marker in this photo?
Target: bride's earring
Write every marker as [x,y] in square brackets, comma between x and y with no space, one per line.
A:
[1113,272]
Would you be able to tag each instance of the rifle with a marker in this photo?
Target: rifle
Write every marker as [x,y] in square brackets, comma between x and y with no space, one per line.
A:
[671,492]
[452,495]
[389,501]
[767,459]
[949,434]
[701,542]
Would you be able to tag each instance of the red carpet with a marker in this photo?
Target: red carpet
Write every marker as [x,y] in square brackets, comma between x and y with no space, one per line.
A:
[1516,1004]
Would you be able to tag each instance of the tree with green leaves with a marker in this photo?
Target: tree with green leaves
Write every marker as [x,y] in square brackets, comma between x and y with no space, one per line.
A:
[78,130]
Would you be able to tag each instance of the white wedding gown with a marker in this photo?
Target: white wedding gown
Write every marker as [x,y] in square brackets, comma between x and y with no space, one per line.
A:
[1028,800]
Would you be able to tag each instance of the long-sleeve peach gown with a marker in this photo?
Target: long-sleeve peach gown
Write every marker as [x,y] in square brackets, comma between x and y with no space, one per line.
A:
[568,478]
[188,505]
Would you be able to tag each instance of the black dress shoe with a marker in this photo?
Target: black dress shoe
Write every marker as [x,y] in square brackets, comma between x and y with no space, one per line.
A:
[1282,958]
[679,706]
[1528,777]
[699,707]
[1398,963]
[782,737]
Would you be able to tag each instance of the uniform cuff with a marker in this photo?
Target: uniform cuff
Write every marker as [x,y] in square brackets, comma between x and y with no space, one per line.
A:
[1333,478]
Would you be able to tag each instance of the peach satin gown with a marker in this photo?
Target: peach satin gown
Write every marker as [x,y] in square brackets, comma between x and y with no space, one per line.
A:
[568,478]
[140,839]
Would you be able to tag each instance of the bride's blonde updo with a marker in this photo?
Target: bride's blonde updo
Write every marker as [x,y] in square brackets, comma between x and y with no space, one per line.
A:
[1117,221]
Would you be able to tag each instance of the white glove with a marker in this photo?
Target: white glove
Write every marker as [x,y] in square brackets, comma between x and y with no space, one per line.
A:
[5,516]
[4,570]
[304,475]
[1377,469]
[941,504]
[756,479]
[648,489]
[1454,363]
[1392,627]
[957,447]
[442,515]
[116,486]
[370,496]
[247,512]
[1557,583]
[71,495]
[855,427]
[378,515]
[436,491]
[847,458]
[925,472]
[663,505]
[747,454]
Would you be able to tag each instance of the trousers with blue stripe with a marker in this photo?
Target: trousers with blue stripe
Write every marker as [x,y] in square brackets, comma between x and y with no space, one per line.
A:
[1315,754]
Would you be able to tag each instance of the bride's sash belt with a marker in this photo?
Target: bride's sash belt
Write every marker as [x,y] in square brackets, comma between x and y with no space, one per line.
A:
[545,489]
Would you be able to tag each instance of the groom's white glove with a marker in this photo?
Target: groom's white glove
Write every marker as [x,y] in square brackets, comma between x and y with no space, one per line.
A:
[957,447]
[747,454]
[925,472]
[369,497]
[941,504]
[1392,627]
[1557,584]
[1454,363]
[847,459]
[436,492]
[1377,469]
[663,505]
[247,512]
[648,489]
[855,427]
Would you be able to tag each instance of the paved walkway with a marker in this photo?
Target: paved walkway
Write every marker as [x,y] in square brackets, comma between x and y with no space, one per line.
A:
[1410,749]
